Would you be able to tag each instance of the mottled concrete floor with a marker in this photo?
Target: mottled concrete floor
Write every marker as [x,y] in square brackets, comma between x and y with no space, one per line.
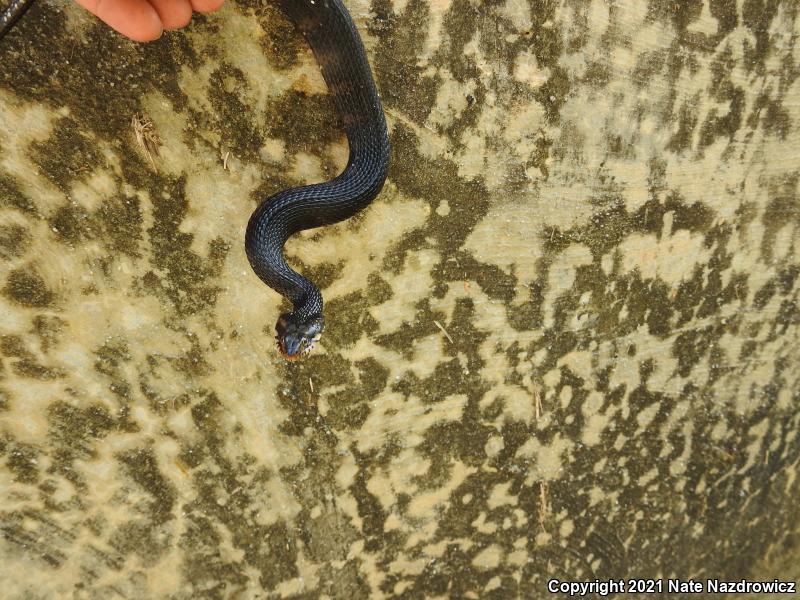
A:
[562,343]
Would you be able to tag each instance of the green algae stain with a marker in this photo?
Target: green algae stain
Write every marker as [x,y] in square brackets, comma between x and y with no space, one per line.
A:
[49,329]
[76,429]
[115,69]
[69,154]
[222,497]
[304,121]
[32,370]
[402,82]
[141,466]
[184,282]
[12,197]
[281,42]
[14,241]
[228,93]
[27,288]
[14,346]
[117,222]
[22,461]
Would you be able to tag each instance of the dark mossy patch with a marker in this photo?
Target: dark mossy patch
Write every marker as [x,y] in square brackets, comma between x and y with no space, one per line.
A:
[305,121]
[726,14]
[26,287]
[757,16]
[211,575]
[770,113]
[402,339]
[328,536]
[303,382]
[117,222]
[433,181]
[467,506]
[324,274]
[648,64]
[282,43]
[14,346]
[23,462]
[121,222]
[184,275]
[378,289]
[35,536]
[690,347]
[352,320]
[221,496]
[115,69]
[193,362]
[5,401]
[49,329]
[349,407]
[111,356]
[453,575]
[372,514]
[783,208]
[459,26]
[401,81]
[348,581]
[725,92]
[462,266]
[680,14]
[12,197]
[141,538]
[14,241]
[598,74]
[228,92]
[72,224]
[30,369]
[70,153]
[142,467]
[77,429]
[788,316]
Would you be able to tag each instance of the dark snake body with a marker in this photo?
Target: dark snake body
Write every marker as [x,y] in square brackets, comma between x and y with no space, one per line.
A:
[335,42]
[333,38]
[12,13]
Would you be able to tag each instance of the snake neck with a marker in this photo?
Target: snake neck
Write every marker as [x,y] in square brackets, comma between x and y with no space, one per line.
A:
[308,305]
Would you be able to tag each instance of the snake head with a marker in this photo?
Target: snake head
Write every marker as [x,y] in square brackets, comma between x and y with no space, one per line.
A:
[296,337]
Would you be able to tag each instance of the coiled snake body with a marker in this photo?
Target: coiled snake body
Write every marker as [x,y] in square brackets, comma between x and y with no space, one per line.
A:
[335,42]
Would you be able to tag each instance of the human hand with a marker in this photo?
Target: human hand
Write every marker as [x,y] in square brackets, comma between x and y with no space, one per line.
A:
[145,20]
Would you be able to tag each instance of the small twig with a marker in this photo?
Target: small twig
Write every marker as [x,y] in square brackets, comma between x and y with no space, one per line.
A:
[444,331]
[225,160]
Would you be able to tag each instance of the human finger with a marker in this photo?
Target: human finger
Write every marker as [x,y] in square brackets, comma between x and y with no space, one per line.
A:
[204,6]
[136,19]
[174,13]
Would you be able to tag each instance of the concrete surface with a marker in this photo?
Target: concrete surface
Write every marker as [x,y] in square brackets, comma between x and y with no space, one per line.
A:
[562,343]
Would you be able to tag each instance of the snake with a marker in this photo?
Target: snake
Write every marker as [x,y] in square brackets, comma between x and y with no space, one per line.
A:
[336,44]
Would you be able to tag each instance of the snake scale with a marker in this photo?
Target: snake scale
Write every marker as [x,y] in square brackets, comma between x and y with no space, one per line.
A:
[337,47]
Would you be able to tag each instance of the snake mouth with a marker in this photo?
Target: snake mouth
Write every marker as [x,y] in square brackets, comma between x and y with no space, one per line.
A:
[291,357]
[296,339]
[305,351]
